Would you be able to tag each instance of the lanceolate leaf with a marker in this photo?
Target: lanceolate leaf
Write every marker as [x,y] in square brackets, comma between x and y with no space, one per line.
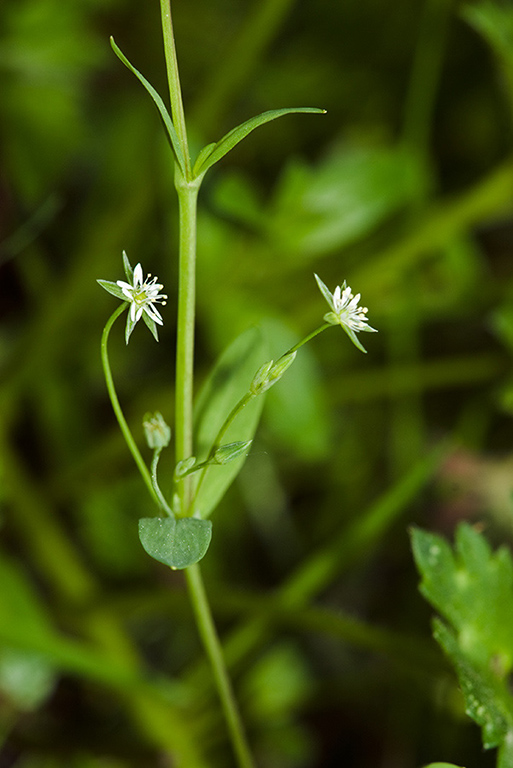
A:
[173,137]
[231,139]
[228,382]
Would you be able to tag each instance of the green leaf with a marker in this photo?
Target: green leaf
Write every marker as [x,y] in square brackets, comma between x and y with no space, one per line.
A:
[233,137]
[177,543]
[472,587]
[227,383]
[168,123]
[442,765]
[319,209]
[204,153]
[487,698]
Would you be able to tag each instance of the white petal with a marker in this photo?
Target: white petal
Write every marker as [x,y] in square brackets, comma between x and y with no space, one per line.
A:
[138,275]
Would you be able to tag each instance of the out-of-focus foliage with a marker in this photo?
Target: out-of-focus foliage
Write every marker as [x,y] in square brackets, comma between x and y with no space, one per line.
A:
[404,189]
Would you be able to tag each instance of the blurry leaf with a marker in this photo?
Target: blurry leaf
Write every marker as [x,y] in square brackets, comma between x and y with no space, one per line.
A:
[22,615]
[47,50]
[233,137]
[166,119]
[278,683]
[177,543]
[321,208]
[442,765]
[487,698]
[227,383]
[494,21]
[26,679]
[473,589]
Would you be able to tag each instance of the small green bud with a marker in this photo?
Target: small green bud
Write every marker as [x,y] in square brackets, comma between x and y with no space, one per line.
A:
[258,384]
[183,467]
[231,451]
[281,366]
[270,373]
[157,432]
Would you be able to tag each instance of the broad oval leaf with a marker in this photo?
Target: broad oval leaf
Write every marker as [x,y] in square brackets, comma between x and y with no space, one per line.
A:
[233,137]
[227,383]
[177,543]
[170,128]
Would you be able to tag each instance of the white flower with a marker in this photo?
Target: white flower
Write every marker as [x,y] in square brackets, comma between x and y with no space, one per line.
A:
[345,311]
[143,295]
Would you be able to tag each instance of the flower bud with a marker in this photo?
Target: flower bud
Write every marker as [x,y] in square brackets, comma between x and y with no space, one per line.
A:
[157,432]
[231,451]
[183,467]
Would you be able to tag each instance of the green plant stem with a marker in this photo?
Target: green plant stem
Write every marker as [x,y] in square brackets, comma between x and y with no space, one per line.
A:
[187,190]
[187,198]
[175,91]
[214,651]
[155,484]
[306,339]
[125,429]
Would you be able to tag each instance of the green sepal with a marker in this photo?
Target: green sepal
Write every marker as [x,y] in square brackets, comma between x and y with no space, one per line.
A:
[233,137]
[151,324]
[112,288]
[168,123]
[354,338]
[129,272]
[176,543]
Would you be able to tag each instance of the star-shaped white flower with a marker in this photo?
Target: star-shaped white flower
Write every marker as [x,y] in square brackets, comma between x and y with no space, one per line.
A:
[345,311]
[142,296]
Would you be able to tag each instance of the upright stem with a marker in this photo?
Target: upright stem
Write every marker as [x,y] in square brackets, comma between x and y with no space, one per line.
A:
[187,200]
[215,654]
[187,189]
[175,91]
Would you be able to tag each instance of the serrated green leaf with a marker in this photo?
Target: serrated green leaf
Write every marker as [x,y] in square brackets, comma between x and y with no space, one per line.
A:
[472,587]
[177,543]
[168,123]
[487,699]
[227,383]
[233,137]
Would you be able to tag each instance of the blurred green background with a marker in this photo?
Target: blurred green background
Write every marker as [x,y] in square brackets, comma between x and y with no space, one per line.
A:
[404,189]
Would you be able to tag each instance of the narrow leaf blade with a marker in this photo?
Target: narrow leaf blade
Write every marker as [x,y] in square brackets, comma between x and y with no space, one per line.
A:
[233,137]
[173,136]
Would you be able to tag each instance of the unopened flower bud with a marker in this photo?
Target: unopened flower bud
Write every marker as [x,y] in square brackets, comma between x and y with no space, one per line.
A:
[157,432]
[231,451]
[183,467]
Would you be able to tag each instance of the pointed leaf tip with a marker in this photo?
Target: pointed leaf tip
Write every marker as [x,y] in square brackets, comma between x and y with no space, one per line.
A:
[233,137]
[159,103]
